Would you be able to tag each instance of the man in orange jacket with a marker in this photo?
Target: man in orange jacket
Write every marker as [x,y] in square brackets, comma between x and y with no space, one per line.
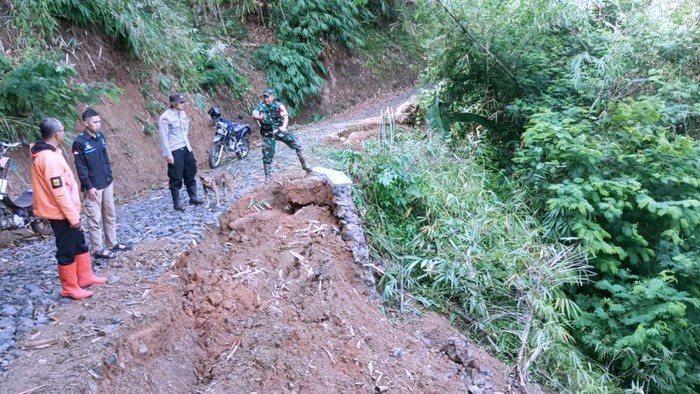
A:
[57,198]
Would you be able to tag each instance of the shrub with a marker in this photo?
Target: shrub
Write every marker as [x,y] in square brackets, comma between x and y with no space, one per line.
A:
[303,30]
[40,87]
[627,189]
[457,238]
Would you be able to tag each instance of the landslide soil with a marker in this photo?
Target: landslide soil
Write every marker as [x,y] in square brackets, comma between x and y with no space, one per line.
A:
[272,302]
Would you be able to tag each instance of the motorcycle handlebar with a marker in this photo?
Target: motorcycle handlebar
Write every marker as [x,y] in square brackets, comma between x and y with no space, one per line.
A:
[9,145]
[220,123]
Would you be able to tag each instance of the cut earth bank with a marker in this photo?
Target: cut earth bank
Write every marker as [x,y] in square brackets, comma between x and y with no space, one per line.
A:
[133,142]
[279,299]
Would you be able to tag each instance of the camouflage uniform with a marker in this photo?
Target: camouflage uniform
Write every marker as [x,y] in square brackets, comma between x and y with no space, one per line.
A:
[269,129]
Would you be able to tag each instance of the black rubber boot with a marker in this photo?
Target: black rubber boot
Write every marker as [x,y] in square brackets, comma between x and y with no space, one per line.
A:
[176,200]
[192,192]
[266,167]
[302,160]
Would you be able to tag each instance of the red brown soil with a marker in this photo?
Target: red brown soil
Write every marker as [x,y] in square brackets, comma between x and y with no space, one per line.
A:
[271,303]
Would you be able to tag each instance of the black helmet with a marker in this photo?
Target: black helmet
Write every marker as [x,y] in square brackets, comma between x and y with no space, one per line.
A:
[214,113]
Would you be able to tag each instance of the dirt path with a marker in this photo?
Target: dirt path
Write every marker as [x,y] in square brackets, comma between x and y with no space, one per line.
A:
[272,301]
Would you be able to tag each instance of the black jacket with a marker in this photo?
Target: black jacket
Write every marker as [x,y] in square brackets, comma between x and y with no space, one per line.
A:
[92,161]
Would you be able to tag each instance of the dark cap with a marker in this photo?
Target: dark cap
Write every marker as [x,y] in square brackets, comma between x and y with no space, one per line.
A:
[176,98]
[268,93]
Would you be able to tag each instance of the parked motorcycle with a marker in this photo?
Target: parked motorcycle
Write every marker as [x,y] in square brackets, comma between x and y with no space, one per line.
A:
[230,137]
[17,213]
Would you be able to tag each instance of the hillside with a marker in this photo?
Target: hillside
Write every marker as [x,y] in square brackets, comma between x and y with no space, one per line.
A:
[545,196]
[134,147]
[279,299]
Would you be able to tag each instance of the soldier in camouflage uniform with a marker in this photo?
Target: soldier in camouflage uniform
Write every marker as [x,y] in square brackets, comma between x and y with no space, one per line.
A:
[274,118]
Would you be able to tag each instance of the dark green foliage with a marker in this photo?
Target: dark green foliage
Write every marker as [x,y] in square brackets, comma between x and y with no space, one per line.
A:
[39,87]
[442,122]
[628,189]
[318,21]
[599,107]
[387,10]
[218,69]
[292,71]
[304,28]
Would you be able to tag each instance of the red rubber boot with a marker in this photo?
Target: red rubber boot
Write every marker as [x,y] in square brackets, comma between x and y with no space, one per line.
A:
[69,281]
[85,275]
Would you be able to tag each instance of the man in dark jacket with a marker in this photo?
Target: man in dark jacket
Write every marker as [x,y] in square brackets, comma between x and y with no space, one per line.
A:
[95,175]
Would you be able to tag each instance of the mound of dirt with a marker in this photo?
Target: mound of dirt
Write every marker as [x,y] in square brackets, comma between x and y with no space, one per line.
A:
[272,302]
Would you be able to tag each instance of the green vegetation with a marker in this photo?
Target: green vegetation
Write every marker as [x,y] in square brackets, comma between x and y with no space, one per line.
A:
[40,87]
[592,107]
[553,208]
[156,32]
[184,45]
[304,29]
[461,239]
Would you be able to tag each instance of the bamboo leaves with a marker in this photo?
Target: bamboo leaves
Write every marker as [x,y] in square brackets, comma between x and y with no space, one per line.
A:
[461,244]
[441,121]
[40,87]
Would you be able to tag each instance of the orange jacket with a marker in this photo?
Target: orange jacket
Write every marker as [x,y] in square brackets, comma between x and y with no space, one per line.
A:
[56,192]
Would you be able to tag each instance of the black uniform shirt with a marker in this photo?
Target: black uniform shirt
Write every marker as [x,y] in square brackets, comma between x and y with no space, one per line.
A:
[92,161]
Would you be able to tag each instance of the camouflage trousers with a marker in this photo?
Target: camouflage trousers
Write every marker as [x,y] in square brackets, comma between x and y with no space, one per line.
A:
[269,147]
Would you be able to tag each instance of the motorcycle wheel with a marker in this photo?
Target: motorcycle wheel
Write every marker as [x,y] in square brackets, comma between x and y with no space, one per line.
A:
[215,155]
[41,227]
[243,149]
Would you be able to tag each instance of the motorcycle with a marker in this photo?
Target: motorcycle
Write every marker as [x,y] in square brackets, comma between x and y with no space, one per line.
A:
[17,213]
[230,137]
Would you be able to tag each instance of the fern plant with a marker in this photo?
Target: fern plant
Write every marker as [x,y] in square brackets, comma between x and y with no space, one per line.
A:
[303,29]
[40,87]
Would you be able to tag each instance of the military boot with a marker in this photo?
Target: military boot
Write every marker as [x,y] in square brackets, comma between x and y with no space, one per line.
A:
[302,160]
[266,167]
